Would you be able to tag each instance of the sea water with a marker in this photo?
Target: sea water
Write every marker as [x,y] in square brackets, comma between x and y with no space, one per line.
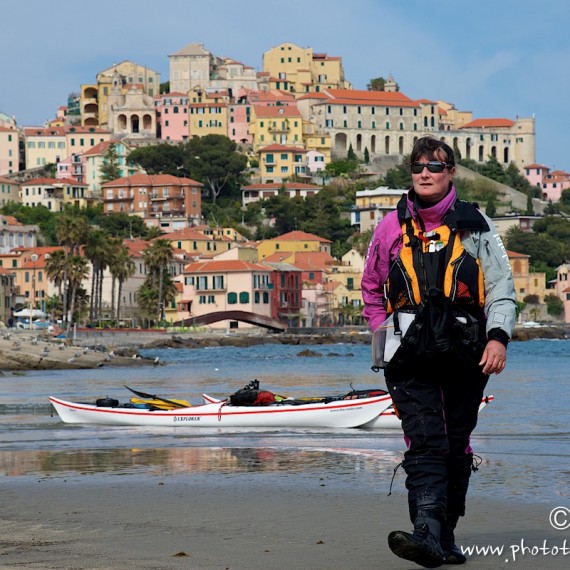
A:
[522,438]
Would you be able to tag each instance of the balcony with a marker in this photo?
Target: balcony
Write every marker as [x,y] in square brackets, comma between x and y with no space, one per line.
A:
[155,196]
[118,199]
[280,129]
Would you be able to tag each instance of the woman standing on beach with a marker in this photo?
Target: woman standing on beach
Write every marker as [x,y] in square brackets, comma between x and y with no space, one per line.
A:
[438,262]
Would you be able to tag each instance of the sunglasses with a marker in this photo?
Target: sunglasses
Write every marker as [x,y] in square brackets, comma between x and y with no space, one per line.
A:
[434,167]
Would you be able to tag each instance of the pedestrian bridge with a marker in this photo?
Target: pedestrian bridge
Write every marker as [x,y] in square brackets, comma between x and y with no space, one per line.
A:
[243,316]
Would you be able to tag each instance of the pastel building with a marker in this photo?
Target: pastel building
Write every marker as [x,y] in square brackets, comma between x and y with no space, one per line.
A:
[172,116]
[278,162]
[9,150]
[372,205]
[94,98]
[276,125]
[551,184]
[227,285]
[389,123]
[196,243]
[300,70]
[54,194]
[14,234]
[54,144]
[9,191]
[95,158]
[294,242]
[256,192]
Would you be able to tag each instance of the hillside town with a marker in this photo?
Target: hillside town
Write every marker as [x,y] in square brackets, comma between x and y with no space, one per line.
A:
[290,121]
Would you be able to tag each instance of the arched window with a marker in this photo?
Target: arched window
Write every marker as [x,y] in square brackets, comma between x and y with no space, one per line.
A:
[232,298]
[244,297]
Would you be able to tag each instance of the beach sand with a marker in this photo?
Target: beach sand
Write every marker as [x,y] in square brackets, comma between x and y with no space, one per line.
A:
[246,521]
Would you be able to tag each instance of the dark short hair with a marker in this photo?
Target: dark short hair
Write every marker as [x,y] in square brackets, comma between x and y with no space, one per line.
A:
[433,149]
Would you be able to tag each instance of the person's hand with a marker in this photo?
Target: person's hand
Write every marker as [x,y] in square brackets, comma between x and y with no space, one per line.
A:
[494,357]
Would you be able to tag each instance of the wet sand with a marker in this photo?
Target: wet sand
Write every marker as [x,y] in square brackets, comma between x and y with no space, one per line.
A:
[249,521]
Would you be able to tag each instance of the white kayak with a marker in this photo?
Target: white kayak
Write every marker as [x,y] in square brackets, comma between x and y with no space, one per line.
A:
[386,419]
[333,414]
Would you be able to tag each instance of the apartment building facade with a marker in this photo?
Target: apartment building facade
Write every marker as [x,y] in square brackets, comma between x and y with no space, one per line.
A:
[153,196]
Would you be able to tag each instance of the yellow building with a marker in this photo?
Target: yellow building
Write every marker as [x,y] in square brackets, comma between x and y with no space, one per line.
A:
[321,142]
[300,70]
[207,113]
[275,125]
[197,243]
[526,283]
[94,98]
[295,241]
[278,162]
[54,144]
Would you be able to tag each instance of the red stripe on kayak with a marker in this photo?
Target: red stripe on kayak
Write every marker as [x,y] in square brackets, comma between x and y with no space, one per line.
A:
[195,411]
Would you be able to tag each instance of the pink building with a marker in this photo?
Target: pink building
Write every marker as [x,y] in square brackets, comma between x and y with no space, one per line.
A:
[72,168]
[551,184]
[172,116]
[229,285]
[239,117]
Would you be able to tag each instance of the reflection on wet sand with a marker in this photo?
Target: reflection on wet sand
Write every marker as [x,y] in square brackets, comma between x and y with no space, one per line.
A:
[194,460]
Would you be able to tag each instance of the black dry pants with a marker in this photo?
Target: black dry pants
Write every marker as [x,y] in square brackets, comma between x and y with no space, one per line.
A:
[438,402]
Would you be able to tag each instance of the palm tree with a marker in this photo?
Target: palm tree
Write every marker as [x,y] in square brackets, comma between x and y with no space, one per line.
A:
[77,271]
[121,267]
[157,258]
[97,250]
[71,231]
[56,269]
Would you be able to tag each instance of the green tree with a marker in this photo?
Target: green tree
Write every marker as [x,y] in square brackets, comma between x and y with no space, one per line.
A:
[122,225]
[161,158]
[366,156]
[554,305]
[361,241]
[351,155]
[110,169]
[379,84]
[399,177]
[529,206]
[490,209]
[341,167]
[215,161]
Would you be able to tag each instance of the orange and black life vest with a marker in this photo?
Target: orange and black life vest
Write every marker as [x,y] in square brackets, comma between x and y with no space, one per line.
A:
[436,262]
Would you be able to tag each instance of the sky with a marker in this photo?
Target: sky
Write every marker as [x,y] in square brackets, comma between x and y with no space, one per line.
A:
[495,58]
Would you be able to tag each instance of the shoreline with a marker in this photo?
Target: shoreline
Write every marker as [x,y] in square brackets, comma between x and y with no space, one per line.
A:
[24,350]
[253,521]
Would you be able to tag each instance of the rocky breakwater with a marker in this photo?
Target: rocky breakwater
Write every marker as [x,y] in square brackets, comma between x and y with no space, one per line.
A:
[26,351]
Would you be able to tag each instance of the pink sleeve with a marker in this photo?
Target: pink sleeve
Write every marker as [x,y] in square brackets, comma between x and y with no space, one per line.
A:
[384,247]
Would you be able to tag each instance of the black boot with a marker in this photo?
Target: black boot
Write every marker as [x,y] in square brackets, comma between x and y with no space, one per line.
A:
[422,546]
[451,552]
[459,471]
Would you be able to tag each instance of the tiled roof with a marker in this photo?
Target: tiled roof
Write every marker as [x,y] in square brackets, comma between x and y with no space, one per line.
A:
[360,97]
[534,165]
[263,111]
[488,123]
[40,182]
[513,254]
[278,185]
[312,260]
[298,235]
[151,180]
[229,265]
[281,148]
